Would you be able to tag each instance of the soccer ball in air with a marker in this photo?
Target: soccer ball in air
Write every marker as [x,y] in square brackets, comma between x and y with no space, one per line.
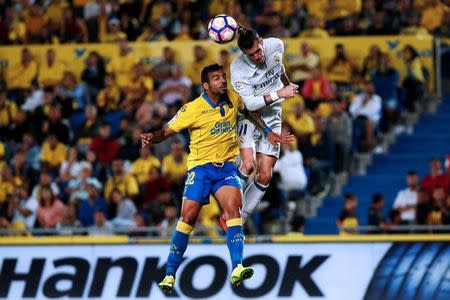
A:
[222,29]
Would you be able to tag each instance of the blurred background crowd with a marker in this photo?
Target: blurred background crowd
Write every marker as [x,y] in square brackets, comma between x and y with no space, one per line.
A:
[70,154]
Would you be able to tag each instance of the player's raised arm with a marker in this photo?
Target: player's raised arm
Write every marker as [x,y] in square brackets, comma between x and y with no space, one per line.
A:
[150,138]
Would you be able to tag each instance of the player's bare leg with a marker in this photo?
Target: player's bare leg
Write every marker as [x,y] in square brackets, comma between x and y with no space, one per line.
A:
[230,199]
[247,166]
[180,239]
[257,188]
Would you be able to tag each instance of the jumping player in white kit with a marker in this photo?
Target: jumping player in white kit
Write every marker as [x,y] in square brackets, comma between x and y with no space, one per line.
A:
[259,77]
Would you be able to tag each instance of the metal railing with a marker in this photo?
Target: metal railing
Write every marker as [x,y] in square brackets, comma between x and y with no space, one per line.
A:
[397,229]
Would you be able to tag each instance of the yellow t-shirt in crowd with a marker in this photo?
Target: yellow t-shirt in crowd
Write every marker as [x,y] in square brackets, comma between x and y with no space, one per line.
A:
[212,129]
[20,77]
[127,186]
[433,16]
[141,168]
[176,171]
[51,75]
[341,72]
[122,67]
[209,216]
[55,13]
[54,157]
[315,33]
[302,125]
[8,113]
[195,68]
[109,98]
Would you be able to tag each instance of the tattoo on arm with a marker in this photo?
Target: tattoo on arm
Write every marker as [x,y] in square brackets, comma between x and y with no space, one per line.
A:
[255,118]
[285,80]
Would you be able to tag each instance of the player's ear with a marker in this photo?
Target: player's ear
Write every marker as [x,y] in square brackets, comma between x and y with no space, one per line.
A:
[205,86]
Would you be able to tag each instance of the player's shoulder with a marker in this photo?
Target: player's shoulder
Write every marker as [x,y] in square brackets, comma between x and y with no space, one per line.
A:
[239,64]
[273,44]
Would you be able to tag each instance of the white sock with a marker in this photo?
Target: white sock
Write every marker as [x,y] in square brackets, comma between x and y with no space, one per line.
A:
[243,178]
[252,196]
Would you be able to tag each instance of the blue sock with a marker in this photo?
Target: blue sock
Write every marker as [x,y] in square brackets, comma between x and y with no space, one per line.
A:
[235,241]
[180,240]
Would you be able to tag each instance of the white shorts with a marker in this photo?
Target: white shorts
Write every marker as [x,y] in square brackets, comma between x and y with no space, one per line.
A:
[251,137]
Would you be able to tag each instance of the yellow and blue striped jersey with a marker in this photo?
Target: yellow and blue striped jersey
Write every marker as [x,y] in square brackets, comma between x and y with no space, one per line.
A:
[212,129]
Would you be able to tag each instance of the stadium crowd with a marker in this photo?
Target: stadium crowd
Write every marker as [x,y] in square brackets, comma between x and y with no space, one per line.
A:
[70,153]
[61,21]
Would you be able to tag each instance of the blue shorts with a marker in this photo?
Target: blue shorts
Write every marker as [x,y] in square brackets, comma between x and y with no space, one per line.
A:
[202,181]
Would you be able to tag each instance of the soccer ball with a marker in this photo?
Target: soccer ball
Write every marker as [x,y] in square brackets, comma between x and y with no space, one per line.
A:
[222,29]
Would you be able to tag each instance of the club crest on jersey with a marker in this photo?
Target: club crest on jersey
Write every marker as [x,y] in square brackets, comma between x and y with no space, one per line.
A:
[277,57]
[239,85]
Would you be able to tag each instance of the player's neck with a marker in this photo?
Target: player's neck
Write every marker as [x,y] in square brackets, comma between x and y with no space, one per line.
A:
[213,98]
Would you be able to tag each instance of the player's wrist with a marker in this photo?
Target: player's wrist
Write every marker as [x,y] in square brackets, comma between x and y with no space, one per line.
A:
[267,130]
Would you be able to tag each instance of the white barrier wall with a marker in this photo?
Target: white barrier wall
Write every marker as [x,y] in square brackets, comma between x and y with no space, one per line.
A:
[282,271]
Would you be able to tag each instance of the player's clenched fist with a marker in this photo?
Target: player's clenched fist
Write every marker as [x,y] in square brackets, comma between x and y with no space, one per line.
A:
[288,91]
[146,139]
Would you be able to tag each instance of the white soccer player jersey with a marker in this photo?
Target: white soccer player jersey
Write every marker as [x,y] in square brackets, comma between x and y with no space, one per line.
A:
[253,81]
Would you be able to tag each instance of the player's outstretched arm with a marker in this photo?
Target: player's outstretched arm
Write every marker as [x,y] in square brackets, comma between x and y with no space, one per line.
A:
[285,80]
[148,139]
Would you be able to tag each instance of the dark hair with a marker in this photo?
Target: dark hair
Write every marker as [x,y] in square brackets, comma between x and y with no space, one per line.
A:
[246,38]
[413,50]
[377,198]
[208,69]
[412,173]
[349,197]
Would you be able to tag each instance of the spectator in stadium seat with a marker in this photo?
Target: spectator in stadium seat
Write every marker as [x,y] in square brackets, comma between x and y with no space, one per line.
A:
[19,77]
[176,89]
[378,27]
[406,9]
[45,180]
[110,31]
[69,221]
[153,32]
[338,133]
[169,223]
[130,143]
[163,69]
[55,18]
[88,129]
[122,64]
[53,153]
[423,207]
[315,30]
[51,210]
[438,200]
[125,209]
[195,67]
[129,26]
[301,66]
[293,179]
[392,16]
[444,30]
[371,62]
[8,183]
[365,110]
[414,81]
[25,207]
[185,33]
[276,27]
[316,89]
[386,79]
[31,151]
[93,74]
[74,29]
[376,214]
[88,207]
[156,193]
[36,22]
[104,145]
[55,124]
[436,177]
[77,187]
[101,225]
[34,99]
[109,97]
[174,165]
[340,68]
[433,15]
[71,166]
[17,31]
[303,127]
[406,200]
[125,183]
[72,91]
[413,27]
[138,89]
[141,167]
[8,111]
[51,72]
[348,216]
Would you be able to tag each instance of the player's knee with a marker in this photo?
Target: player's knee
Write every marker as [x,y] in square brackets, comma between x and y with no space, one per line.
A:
[189,219]
[264,177]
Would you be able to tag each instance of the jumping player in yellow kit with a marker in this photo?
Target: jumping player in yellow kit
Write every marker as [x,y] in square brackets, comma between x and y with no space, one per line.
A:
[211,120]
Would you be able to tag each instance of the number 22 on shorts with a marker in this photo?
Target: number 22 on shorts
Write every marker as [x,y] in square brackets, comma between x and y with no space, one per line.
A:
[190,178]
